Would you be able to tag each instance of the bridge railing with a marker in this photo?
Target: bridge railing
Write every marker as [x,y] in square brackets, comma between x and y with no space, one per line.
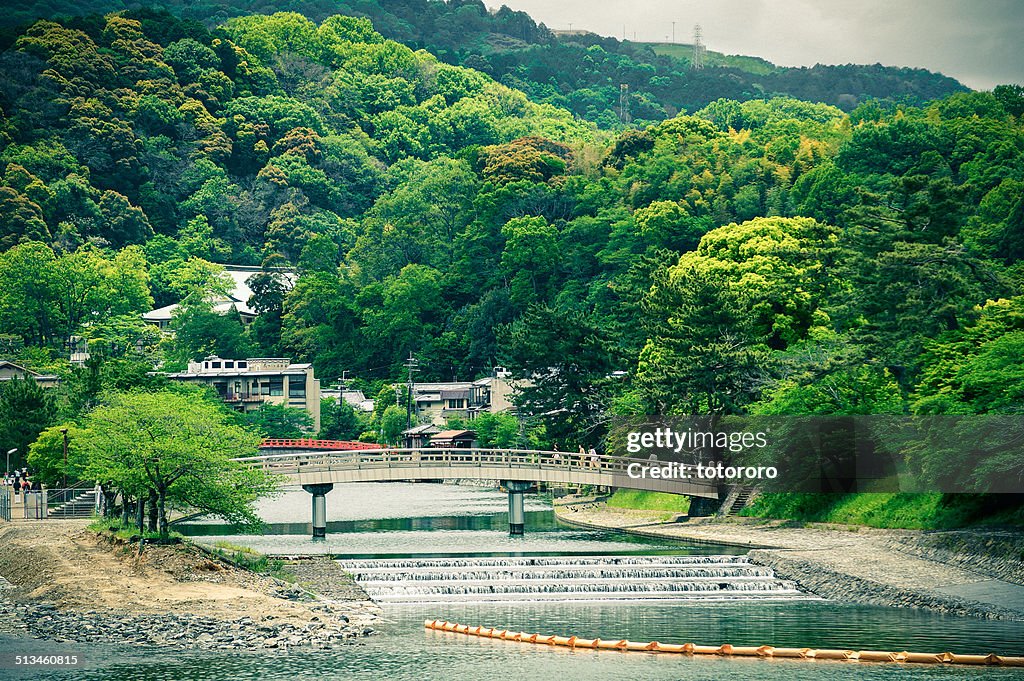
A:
[310,443]
[315,461]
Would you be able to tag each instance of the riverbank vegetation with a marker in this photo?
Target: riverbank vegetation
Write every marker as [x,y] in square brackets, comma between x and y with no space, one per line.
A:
[648,501]
[767,256]
[891,510]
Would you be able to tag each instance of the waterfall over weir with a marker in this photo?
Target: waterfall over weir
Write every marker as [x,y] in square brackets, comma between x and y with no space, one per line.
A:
[586,578]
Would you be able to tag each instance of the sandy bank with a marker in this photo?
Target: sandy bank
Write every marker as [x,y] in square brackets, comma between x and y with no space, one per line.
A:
[967,573]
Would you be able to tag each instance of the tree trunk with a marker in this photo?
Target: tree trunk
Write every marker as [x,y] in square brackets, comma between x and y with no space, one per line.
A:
[125,509]
[162,506]
[140,515]
[152,511]
[109,499]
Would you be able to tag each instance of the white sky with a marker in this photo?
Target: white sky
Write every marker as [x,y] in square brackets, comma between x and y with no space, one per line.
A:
[979,42]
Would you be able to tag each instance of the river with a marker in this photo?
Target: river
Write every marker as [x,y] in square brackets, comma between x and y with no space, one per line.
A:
[456,540]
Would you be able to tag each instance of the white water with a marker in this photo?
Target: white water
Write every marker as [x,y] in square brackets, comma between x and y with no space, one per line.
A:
[590,578]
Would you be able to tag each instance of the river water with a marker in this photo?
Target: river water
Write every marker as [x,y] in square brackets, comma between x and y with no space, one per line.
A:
[437,552]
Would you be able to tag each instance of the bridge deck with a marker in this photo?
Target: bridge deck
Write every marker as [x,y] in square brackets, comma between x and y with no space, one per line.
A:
[378,465]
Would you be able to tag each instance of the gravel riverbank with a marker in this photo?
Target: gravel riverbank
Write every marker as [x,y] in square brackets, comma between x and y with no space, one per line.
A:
[974,573]
[62,582]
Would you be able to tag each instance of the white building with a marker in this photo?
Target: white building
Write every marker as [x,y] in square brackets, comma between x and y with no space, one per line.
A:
[248,383]
[237,298]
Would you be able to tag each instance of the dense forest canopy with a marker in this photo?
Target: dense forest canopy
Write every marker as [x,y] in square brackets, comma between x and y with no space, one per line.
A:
[772,255]
[581,72]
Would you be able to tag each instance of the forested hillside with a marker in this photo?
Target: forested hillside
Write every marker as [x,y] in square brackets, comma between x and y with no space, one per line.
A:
[768,256]
[581,72]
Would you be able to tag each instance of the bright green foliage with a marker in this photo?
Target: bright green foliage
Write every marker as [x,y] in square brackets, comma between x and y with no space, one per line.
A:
[280,421]
[339,421]
[46,455]
[181,447]
[977,369]
[44,296]
[392,423]
[496,430]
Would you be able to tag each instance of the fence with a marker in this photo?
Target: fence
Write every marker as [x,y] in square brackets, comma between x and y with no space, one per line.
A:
[81,501]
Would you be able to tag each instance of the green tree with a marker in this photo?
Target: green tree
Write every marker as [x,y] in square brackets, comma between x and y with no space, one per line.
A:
[46,455]
[25,410]
[181,447]
[280,421]
[339,421]
[392,423]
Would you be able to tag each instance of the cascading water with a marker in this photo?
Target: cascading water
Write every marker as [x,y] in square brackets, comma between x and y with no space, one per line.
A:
[590,578]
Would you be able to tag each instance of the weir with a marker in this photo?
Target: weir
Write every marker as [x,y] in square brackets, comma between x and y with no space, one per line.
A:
[568,579]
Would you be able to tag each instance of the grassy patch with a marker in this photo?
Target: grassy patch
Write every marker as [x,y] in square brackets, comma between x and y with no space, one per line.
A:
[754,65]
[253,561]
[111,526]
[649,501]
[910,511]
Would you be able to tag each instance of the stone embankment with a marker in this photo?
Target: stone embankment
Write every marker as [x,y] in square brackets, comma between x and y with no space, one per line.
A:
[62,582]
[975,573]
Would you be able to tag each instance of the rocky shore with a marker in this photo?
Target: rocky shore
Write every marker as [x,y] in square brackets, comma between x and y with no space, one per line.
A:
[186,631]
[976,573]
[61,582]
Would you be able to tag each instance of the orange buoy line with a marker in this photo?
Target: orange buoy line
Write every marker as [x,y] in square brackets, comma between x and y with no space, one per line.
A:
[727,649]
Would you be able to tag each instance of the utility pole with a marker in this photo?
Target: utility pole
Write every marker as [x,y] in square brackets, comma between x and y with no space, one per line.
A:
[7,468]
[412,366]
[64,432]
[673,32]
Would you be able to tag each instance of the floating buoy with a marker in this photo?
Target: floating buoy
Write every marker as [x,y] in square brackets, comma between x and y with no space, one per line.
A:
[729,650]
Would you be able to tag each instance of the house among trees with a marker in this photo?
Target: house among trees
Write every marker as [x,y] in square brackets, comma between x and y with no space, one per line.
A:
[9,371]
[436,403]
[246,384]
[419,436]
[237,298]
[354,398]
[454,439]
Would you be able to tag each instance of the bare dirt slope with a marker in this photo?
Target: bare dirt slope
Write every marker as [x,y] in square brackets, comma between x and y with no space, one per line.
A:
[67,565]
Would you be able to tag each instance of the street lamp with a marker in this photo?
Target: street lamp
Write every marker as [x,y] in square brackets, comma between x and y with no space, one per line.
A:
[64,432]
[7,468]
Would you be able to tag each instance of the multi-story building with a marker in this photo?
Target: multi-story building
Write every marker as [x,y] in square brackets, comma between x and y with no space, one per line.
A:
[436,403]
[248,383]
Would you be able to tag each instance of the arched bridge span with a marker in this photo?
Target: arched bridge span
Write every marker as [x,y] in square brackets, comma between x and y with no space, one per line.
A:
[318,467]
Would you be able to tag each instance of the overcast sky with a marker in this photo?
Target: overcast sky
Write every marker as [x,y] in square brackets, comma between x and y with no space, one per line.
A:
[979,42]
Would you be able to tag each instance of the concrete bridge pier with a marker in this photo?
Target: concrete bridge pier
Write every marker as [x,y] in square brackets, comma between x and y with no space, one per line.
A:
[516,506]
[319,493]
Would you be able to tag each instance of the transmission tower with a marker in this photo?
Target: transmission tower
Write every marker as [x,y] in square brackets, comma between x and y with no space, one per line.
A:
[698,49]
[624,103]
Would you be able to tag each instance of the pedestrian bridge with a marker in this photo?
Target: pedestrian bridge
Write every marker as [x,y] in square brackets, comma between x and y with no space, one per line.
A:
[317,467]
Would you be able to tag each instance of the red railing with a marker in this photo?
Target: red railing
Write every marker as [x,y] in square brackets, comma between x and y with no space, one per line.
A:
[336,445]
